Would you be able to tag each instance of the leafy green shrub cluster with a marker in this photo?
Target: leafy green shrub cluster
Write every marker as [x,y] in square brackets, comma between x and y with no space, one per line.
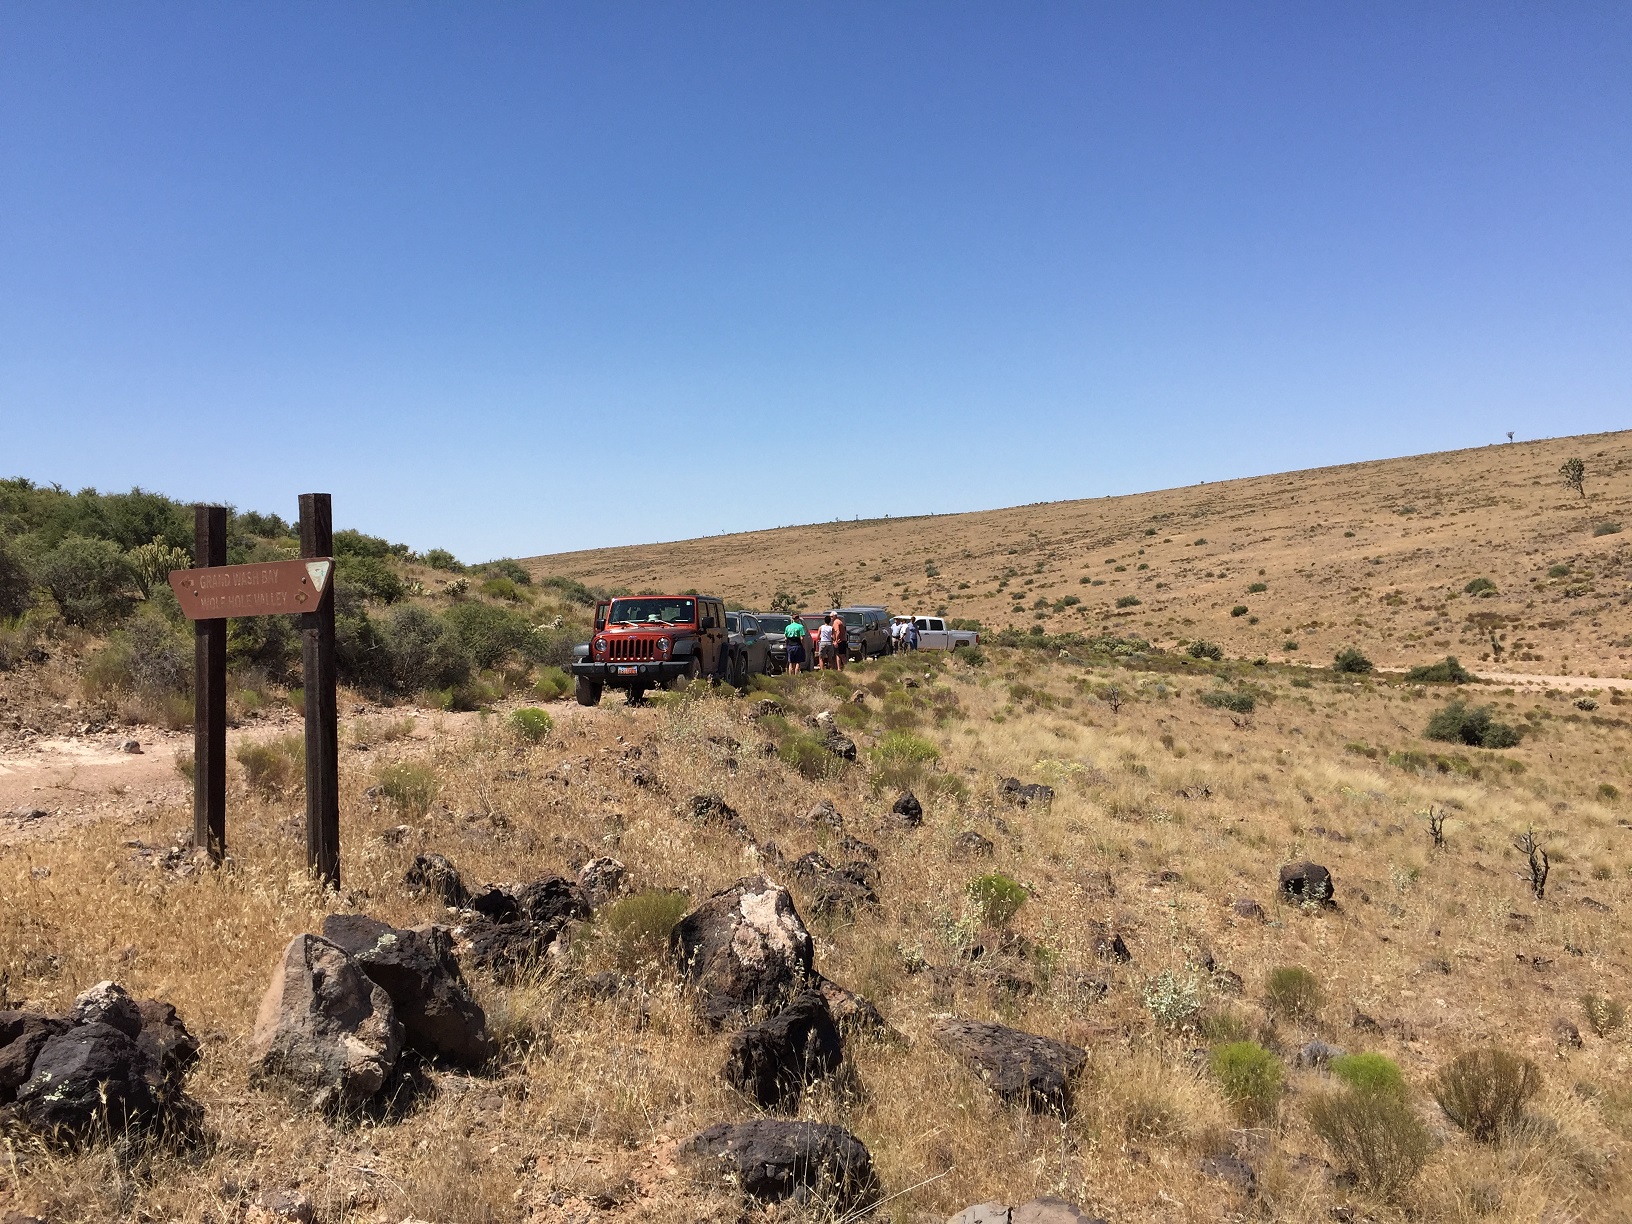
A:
[1239,610]
[1351,662]
[1250,1077]
[900,759]
[1233,700]
[1446,671]
[1205,650]
[1476,727]
[149,661]
[1603,529]
[1369,1073]
[1129,601]
[636,928]
[1484,1091]
[273,767]
[1257,588]
[553,684]
[1480,586]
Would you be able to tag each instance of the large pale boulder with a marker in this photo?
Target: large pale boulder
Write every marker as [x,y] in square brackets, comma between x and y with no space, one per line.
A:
[325,1030]
[743,948]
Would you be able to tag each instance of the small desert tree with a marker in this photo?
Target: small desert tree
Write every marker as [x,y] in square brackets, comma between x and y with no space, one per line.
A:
[1574,474]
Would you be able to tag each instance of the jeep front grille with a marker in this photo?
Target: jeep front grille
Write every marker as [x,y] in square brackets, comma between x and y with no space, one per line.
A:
[632,650]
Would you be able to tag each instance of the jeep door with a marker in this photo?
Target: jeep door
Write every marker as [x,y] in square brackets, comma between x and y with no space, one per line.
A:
[711,636]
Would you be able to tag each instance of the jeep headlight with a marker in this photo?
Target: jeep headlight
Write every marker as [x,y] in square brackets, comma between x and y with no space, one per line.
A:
[600,648]
[663,646]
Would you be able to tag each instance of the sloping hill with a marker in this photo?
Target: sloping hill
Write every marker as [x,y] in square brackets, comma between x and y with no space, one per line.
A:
[1376,554]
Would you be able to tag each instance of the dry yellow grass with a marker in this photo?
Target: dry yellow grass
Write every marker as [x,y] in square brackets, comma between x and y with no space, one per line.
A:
[1166,812]
[1370,554]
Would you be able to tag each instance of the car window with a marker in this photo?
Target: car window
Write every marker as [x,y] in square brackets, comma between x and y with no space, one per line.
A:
[936,623]
[750,625]
[652,611]
[731,622]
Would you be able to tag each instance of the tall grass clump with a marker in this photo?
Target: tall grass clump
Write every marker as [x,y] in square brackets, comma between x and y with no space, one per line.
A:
[1293,992]
[1605,1015]
[531,724]
[997,898]
[900,760]
[409,787]
[1484,1091]
[553,684]
[635,929]
[1250,1077]
[273,767]
[1233,700]
[1369,1124]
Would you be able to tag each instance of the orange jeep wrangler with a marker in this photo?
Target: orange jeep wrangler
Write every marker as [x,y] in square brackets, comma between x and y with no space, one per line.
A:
[652,641]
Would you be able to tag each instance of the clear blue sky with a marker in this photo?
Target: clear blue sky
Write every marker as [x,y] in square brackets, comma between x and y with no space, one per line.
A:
[513,278]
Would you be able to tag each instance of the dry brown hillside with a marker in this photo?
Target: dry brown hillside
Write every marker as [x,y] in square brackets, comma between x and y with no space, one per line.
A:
[1376,555]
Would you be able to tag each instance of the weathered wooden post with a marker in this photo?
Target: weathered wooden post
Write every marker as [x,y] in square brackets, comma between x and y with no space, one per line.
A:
[322,715]
[210,695]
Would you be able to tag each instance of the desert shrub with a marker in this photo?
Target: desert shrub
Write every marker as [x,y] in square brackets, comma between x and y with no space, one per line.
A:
[1351,662]
[89,578]
[973,656]
[1369,1073]
[1250,1077]
[269,644]
[1608,791]
[1257,588]
[1484,1091]
[1292,991]
[1229,699]
[571,590]
[553,684]
[420,654]
[273,767]
[900,759]
[1173,999]
[807,754]
[1205,650]
[504,567]
[369,576]
[150,663]
[1129,601]
[1239,610]
[636,928]
[1604,1015]
[186,765]
[997,898]
[442,559]
[1457,724]
[1603,529]
[349,542]
[16,581]
[1480,586]
[1376,1135]
[531,723]
[502,588]
[1446,671]
[489,634]
[151,563]
[1558,571]
[409,787]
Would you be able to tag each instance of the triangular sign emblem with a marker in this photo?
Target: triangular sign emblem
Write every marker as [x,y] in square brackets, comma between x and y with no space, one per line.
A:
[319,573]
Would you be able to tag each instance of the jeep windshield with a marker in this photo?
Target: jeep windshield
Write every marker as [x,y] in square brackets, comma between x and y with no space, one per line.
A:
[774,624]
[652,612]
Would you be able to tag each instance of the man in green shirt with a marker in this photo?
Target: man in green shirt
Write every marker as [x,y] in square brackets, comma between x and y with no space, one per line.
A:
[795,633]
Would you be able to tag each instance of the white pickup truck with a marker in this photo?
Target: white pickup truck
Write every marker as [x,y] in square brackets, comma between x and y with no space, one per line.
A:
[933,633]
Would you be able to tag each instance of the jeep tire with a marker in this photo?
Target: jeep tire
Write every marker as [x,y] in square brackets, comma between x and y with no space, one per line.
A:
[739,671]
[694,670]
[588,691]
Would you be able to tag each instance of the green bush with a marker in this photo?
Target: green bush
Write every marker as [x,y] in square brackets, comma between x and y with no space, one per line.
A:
[1369,1073]
[1457,724]
[531,723]
[1129,601]
[502,588]
[489,634]
[553,684]
[1257,588]
[273,767]
[900,759]
[1239,610]
[973,656]
[1292,991]
[1351,662]
[571,590]
[1205,650]
[419,654]
[1250,1077]
[371,577]
[1375,1135]
[1480,586]
[90,580]
[1484,1091]
[16,581]
[1558,571]
[1446,671]
[997,898]
[349,542]
[442,559]
[1229,699]
[1603,529]
[515,571]
[636,928]
[409,787]
[807,754]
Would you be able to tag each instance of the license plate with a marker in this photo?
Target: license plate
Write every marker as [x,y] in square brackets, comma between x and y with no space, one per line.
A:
[628,671]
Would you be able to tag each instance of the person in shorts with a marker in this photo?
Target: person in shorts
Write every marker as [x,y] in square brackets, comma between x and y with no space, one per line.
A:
[841,640]
[825,657]
[795,633]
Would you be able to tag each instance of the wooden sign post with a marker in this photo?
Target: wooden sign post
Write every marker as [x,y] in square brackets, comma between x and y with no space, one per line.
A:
[212,593]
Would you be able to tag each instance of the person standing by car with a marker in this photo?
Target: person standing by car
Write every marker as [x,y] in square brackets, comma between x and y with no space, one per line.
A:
[824,644]
[909,635]
[897,628]
[841,640]
[795,634]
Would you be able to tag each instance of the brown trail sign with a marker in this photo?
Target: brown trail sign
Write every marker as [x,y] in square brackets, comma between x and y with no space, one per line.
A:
[215,591]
